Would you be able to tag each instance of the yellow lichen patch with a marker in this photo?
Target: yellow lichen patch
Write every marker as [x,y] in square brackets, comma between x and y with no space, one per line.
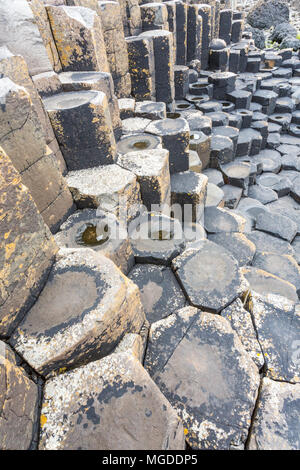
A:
[185,431]
[9,249]
[43,420]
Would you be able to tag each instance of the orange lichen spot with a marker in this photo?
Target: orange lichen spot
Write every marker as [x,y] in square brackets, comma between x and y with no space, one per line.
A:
[43,420]
[185,431]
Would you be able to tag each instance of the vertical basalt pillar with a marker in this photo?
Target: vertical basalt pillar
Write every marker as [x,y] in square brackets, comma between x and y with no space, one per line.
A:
[116,48]
[141,67]
[164,64]
[78,36]
[205,13]
[194,33]
[225,25]
[171,7]
[83,127]
[131,16]
[181,33]
[154,16]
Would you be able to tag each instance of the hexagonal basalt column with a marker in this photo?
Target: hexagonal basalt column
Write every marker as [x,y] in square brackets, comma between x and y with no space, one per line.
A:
[83,127]
[27,247]
[164,64]
[78,36]
[19,403]
[188,190]
[152,170]
[99,81]
[209,276]
[116,48]
[141,67]
[225,25]
[137,142]
[194,33]
[154,16]
[205,13]
[100,231]
[175,138]
[181,33]
[104,399]
[156,239]
[82,313]
[110,187]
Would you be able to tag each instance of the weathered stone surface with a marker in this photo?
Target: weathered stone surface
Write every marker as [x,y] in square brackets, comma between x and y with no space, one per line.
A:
[242,249]
[83,127]
[262,194]
[116,49]
[18,403]
[267,242]
[277,225]
[241,322]
[197,271]
[141,67]
[160,292]
[78,36]
[104,398]
[21,34]
[211,382]
[218,220]
[275,423]
[135,142]
[100,231]
[152,170]
[283,266]
[82,313]
[214,196]
[109,187]
[99,81]
[156,238]
[27,248]
[188,192]
[265,283]
[277,323]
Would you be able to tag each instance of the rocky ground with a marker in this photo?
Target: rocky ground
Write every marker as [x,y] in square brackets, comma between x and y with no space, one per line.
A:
[135,327]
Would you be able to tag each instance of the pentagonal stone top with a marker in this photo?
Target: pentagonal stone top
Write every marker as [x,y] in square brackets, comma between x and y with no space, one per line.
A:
[209,276]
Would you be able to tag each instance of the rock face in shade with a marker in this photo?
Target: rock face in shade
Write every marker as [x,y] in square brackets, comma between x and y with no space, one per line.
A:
[277,323]
[276,420]
[209,276]
[209,379]
[22,137]
[111,404]
[18,404]
[160,292]
[81,315]
[78,36]
[19,32]
[27,248]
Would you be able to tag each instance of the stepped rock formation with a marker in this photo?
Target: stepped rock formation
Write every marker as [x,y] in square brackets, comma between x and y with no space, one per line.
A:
[149,229]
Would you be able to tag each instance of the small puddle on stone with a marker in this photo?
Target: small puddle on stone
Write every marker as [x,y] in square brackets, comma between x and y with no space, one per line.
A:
[141,145]
[173,115]
[93,235]
[161,235]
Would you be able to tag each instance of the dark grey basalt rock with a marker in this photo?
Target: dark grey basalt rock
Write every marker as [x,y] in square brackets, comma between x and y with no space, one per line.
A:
[210,381]
[242,249]
[188,190]
[217,220]
[277,225]
[277,323]
[266,14]
[160,292]
[108,395]
[197,270]
[275,422]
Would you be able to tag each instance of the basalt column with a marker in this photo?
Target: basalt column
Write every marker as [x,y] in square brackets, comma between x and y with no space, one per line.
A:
[181,33]
[225,25]
[205,13]
[22,138]
[131,16]
[194,33]
[154,16]
[83,127]
[141,67]
[116,48]
[79,39]
[164,64]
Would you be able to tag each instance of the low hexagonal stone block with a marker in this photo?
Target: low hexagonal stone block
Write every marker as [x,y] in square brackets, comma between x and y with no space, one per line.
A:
[209,276]
[109,187]
[277,323]
[188,192]
[160,292]
[265,283]
[218,220]
[82,313]
[266,242]
[275,425]
[18,403]
[104,398]
[156,238]
[210,380]
[242,249]
[277,225]
[100,231]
